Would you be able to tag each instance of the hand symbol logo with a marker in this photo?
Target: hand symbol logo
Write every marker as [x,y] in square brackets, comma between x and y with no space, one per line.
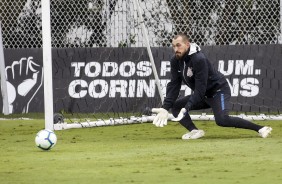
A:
[24,79]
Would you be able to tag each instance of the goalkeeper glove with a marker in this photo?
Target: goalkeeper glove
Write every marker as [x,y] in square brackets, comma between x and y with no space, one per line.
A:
[183,112]
[161,118]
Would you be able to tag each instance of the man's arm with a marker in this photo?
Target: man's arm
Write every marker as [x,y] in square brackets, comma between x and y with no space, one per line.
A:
[173,87]
[172,91]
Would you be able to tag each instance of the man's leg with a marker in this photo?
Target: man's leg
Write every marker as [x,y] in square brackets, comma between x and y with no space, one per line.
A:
[187,121]
[220,105]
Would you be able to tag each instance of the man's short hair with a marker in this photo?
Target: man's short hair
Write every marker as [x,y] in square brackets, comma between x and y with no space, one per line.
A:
[184,36]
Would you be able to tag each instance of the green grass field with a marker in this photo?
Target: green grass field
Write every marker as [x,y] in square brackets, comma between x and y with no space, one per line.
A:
[140,153]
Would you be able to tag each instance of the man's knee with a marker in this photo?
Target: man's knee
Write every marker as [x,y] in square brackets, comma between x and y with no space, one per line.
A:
[223,121]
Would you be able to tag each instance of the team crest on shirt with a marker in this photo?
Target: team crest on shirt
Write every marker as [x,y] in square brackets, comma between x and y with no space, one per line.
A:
[189,72]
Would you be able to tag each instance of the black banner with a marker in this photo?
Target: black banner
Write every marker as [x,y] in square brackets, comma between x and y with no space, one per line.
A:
[121,79]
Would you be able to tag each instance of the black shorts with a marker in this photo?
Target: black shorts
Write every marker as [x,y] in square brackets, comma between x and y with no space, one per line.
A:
[219,102]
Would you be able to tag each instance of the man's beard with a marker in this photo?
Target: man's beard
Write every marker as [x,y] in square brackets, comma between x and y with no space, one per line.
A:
[179,56]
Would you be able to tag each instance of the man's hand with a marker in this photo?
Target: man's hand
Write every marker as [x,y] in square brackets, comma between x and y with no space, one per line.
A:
[161,118]
[181,115]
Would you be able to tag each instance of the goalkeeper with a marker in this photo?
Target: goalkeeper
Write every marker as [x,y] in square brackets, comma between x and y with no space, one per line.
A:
[210,90]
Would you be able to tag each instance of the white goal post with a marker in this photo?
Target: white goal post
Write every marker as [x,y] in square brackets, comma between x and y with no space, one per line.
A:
[4,91]
[47,65]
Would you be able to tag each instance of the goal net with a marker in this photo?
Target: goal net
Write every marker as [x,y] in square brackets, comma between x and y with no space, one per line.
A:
[106,54]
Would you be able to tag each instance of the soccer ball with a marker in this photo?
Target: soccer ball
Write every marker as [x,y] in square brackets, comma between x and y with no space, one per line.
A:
[45,139]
